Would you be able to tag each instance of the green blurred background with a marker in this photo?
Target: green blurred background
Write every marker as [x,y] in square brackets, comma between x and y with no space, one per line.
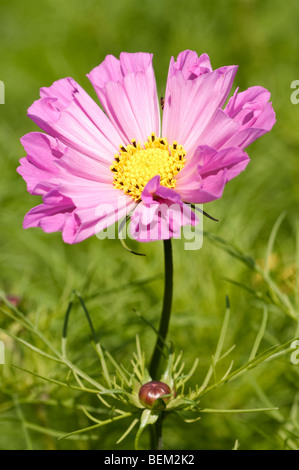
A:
[42,41]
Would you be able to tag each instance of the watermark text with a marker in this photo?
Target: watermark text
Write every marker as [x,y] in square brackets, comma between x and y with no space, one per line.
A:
[151,222]
[295,354]
[295,95]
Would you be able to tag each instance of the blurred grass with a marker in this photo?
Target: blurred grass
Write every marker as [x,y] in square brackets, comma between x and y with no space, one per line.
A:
[42,41]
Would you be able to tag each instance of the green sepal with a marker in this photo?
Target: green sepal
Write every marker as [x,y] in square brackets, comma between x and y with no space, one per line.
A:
[147,417]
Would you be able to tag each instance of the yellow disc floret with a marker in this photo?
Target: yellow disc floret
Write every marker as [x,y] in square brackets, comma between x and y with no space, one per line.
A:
[134,166]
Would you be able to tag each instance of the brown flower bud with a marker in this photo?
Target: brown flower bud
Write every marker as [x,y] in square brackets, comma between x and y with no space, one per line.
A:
[150,393]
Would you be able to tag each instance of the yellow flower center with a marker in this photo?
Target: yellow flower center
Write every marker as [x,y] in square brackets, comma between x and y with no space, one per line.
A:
[134,166]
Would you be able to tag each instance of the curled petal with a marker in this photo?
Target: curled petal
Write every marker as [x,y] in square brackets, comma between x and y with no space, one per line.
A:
[39,166]
[253,112]
[67,112]
[161,214]
[205,175]
[51,217]
[154,191]
[190,65]
[98,205]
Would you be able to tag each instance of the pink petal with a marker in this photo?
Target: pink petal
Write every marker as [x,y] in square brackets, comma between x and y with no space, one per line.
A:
[161,214]
[93,220]
[86,193]
[205,175]
[108,205]
[166,224]
[190,64]
[97,204]
[219,130]
[66,111]
[58,213]
[234,160]
[208,190]
[254,113]
[128,93]
[75,164]
[50,217]
[191,103]
[153,189]
[38,167]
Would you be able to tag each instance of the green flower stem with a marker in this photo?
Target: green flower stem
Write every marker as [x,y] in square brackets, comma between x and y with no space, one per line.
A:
[156,435]
[166,311]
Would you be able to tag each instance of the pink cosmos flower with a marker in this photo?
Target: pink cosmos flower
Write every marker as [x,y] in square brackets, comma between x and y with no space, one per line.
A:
[93,167]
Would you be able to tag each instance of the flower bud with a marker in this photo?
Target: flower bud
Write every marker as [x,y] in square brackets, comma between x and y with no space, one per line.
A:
[150,393]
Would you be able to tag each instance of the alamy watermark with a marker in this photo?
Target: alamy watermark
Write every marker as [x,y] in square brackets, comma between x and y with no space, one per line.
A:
[2,93]
[153,222]
[295,354]
[2,352]
[295,95]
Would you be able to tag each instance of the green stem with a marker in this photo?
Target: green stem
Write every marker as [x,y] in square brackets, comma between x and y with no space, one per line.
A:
[156,429]
[156,435]
[166,310]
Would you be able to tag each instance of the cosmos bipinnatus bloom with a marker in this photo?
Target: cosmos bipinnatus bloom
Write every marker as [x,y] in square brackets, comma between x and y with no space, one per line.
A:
[93,167]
